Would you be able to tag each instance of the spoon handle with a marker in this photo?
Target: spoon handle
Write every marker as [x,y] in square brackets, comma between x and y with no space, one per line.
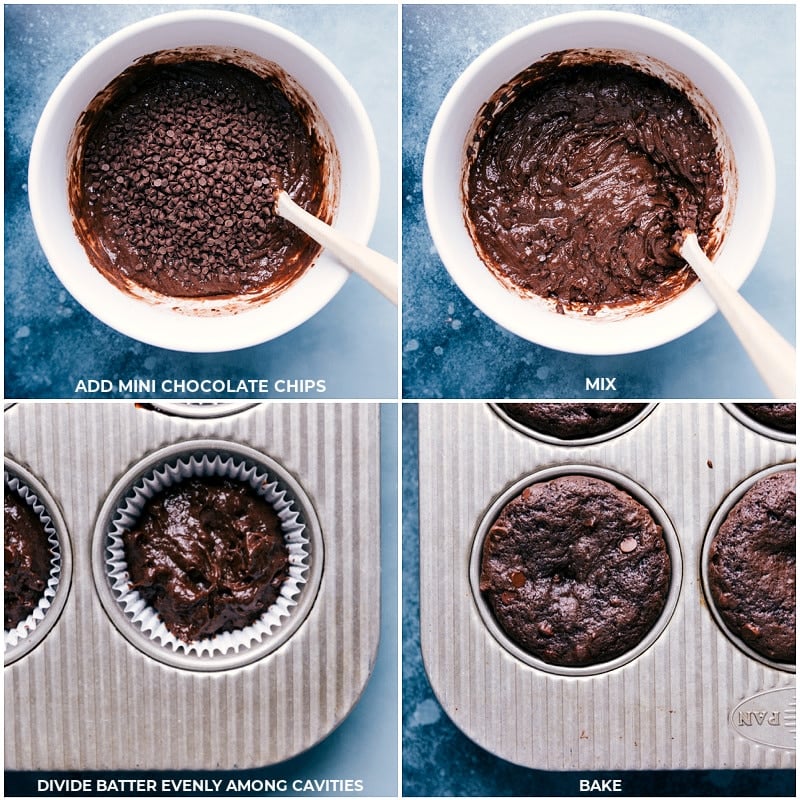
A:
[772,355]
[376,269]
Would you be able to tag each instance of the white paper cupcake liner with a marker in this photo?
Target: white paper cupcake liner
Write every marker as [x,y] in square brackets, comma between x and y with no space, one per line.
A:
[197,465]
[25,628]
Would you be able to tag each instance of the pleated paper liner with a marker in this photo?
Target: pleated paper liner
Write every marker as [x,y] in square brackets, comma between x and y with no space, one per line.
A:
[29,632]
[139,622]
[202,409]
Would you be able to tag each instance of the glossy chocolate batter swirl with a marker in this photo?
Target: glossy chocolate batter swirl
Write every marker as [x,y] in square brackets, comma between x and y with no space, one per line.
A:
[577,188]
[209,555]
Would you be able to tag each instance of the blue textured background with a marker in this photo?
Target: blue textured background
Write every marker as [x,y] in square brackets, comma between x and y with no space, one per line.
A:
[51,341]
[450,349]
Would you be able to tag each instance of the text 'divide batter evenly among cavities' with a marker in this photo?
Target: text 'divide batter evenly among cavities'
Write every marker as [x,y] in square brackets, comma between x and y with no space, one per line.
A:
[174,170]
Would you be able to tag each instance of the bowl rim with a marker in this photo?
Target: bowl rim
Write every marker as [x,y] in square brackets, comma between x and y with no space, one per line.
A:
[162,326]
[585,336]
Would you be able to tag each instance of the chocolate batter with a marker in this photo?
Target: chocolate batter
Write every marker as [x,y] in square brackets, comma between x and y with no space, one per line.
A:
[753,565]
[209,555]
[581,176]
[174,174]
[27,559]
[576,571]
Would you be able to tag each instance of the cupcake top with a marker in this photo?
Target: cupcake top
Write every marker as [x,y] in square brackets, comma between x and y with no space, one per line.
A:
[778,416]
[27,559]
[572,420]
[576,570]
[208,554]
[752,563]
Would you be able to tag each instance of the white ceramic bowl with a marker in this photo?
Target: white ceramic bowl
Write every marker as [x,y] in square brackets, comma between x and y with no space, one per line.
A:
[641,42]
[181,325]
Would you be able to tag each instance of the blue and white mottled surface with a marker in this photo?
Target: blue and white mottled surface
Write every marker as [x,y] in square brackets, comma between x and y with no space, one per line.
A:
[450,349]
[51,341]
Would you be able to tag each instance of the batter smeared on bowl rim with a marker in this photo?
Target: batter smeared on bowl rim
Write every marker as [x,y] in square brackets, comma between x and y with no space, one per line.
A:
[581,173]
[173,171]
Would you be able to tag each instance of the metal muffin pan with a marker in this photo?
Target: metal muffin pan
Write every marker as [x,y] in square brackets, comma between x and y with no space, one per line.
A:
[692,699]
[87,699]
[759,427]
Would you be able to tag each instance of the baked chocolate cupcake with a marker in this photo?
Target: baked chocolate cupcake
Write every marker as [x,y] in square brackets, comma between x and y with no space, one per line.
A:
[751,567]
[572,420]
[778,416]
[27,560]
[209,555]
[576,571]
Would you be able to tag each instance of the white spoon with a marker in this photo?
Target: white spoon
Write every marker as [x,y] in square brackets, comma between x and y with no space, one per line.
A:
[376,269]
[771,354]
